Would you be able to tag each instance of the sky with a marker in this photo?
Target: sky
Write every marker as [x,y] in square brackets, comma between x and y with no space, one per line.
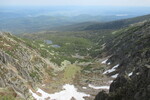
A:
[75,2]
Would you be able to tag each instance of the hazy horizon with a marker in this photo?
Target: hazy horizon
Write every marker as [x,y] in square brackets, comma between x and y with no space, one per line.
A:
[75,3]
[32,15]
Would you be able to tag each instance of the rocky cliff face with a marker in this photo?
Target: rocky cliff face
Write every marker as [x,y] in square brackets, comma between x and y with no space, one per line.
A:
[131,50]
[21,66]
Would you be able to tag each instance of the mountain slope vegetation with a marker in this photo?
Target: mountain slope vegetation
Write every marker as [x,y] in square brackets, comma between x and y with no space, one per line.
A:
[131,50]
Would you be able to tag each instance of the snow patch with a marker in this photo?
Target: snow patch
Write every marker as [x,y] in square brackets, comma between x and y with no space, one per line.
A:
[104,62]
[84,87]
[111,70]
[114,76]
[110,81]
[109,63]
[68,92]
[130,74]
[98,87]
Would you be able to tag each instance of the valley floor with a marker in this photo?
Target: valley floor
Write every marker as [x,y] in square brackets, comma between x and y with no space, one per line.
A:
[84,86]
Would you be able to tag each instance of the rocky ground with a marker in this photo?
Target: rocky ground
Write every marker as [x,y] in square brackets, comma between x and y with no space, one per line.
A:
[90,82]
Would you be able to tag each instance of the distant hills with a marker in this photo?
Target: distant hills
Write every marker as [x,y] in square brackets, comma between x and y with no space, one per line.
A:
[28,23]
[105,25]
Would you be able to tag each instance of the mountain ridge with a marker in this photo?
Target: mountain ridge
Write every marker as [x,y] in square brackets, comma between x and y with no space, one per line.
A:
[106,25]
[130,49]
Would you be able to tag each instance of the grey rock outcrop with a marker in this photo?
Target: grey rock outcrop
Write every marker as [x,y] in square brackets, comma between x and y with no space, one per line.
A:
[18,67]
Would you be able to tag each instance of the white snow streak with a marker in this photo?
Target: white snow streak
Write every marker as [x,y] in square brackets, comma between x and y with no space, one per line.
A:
[84,87]
[114,76]
[110,81]
[111,70]
[104,62]
[130,74]
[98,87]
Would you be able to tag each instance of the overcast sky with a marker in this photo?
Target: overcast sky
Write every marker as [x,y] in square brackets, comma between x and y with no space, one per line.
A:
[76,2]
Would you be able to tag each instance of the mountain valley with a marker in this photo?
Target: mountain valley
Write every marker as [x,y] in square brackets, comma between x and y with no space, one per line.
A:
[84,61]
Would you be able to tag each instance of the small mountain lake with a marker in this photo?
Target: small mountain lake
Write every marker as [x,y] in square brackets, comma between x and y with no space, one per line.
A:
[51,43]
[48,42]
[55,46]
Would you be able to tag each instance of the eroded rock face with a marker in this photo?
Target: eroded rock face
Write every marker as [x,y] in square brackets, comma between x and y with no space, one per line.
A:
[131,49]
[10,77]
[21,67]
[101,96]
[118,83]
